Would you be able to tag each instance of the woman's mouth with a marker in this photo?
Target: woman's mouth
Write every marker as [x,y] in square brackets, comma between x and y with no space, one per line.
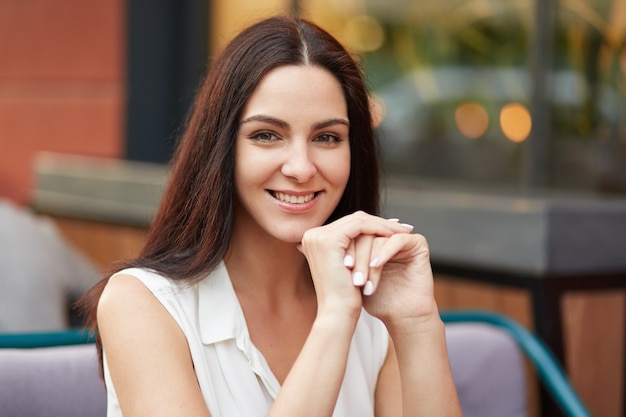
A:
[292,199]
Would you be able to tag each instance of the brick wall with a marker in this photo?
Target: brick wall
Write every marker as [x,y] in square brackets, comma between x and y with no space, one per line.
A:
[62,76]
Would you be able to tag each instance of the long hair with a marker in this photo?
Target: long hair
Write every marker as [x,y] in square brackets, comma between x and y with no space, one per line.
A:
[191,231]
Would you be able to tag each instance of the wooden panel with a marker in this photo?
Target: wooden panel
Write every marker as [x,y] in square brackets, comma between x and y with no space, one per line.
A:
[454,293]
[593,330]
[103,243]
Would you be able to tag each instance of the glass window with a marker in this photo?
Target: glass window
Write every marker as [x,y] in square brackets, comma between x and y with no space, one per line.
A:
[456,84]
[589,90]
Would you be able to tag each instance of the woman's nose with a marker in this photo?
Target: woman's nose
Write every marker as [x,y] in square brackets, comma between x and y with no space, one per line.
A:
[298,164]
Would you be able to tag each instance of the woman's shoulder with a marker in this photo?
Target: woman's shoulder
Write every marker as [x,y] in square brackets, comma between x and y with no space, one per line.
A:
[130,284]
[142,296]
[123,296]
[132,287]
[141,286]
[142,274]
[156,282]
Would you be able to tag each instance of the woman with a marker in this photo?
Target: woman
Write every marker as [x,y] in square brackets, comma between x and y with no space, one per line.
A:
[265,287]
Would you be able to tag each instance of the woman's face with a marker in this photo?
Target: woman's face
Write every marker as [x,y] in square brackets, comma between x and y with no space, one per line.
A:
[292,155]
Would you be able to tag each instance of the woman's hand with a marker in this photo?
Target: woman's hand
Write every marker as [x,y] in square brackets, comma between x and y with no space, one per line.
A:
[338,255]
[364,260]
[400,273]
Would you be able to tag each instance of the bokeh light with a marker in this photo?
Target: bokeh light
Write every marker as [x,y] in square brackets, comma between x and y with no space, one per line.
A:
[471,119]
[364,34]
[515,122]
[378,109]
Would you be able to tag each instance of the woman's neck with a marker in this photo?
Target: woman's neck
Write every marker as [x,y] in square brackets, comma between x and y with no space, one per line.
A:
[266,267]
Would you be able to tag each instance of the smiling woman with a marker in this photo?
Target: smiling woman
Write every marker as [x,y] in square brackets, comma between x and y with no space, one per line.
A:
[295,133]
[268,284]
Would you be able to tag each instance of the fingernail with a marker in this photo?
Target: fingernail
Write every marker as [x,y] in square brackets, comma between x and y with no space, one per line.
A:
[348,261]
[368,289]
[393,219]
[358,279]
[374,263]
[407,226]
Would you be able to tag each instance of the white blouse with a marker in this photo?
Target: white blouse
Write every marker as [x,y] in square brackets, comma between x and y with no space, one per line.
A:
[233,375]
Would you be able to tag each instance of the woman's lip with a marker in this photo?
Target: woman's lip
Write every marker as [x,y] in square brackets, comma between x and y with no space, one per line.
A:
[294,193]
[295,206]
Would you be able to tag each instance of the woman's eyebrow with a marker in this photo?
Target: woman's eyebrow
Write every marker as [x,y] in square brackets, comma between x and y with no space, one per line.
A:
[266,119]
[284,125]
[331,122]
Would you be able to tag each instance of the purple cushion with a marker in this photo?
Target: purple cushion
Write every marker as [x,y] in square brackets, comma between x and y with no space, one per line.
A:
[488,369]
[55,381]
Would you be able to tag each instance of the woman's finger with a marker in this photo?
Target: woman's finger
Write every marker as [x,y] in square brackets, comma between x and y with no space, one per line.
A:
[348,259]
[361,223]
[375,266]
[403,248]
[363,250]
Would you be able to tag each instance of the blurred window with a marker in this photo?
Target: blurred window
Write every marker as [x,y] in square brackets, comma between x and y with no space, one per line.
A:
[493,92]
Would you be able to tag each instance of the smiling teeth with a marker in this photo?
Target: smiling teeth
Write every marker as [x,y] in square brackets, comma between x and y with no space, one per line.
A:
[294,199]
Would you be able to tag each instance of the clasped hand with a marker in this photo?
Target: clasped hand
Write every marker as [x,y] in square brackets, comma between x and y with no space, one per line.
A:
[366,261]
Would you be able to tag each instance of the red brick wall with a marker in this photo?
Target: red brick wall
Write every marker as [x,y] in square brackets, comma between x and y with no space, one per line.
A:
[62,80]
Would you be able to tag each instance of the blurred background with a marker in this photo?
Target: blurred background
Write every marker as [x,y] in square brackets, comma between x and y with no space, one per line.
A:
[502,127]
[509,94]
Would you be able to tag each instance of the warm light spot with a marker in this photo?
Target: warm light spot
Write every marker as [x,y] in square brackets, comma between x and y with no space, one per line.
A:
[515,122]
[363,34]
[471,119]
[377,107]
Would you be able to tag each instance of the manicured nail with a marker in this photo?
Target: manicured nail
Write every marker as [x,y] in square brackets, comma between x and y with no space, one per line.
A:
[368,289]
[407,226]
[374,262]
[358,279]
[393,219]
[348,261]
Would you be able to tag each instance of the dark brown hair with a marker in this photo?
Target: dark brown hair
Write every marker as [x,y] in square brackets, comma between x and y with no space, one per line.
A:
[191,230]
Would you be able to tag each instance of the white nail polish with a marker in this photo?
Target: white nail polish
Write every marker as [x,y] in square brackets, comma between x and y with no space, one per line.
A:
[407,226]
[348,261]
[374,263]
[368,289]
[358,279]
[393,219]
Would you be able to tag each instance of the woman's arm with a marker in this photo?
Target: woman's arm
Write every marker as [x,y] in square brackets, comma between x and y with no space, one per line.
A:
[312,386]
[147,353]
[313,383]
[417,365]
[416,379]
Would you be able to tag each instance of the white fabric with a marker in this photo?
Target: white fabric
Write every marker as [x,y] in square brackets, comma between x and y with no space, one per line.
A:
[39,272]
[235,379]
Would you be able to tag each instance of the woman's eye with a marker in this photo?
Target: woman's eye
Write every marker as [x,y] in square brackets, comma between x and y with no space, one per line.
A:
[264,136]
[328,138]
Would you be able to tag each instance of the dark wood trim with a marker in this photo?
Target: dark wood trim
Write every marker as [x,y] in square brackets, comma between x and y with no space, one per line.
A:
[166,58]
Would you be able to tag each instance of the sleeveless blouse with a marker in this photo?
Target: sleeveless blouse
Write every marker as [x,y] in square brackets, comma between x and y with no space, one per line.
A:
[233,375]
